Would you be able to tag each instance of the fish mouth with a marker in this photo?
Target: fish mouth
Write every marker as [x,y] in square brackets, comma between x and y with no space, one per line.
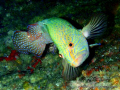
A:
[81,57]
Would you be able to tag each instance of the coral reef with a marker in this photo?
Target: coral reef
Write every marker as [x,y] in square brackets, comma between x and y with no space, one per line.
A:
[20,71]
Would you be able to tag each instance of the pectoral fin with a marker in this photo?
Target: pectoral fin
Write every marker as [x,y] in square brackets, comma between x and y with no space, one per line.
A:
[95,27]
[69,72]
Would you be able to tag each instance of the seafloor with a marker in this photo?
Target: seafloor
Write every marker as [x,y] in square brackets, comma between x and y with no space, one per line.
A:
[28,72]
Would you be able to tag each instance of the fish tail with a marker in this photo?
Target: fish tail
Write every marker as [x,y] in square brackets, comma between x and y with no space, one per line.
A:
[69,72]
[95,27]
[20,41]
[31,41]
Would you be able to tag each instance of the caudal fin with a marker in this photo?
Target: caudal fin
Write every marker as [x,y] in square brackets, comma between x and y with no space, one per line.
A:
[95,27]
[23,44]
[33,41]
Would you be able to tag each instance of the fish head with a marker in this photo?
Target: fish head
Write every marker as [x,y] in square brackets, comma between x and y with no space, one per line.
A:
[71,43]
[74,48]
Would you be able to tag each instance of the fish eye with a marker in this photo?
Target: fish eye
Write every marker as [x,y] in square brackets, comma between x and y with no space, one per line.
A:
[60,55]
[71,44]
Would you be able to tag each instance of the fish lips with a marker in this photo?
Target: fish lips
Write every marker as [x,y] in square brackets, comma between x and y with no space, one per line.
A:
[80,58]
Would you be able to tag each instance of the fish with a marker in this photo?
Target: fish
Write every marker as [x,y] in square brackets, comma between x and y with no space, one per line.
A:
[95,44]
[71,42]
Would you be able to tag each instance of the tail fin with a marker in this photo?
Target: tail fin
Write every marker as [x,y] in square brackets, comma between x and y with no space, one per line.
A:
[33,41]
[95,27]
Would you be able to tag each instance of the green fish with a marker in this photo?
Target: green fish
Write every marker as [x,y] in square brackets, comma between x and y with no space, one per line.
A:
[71,42]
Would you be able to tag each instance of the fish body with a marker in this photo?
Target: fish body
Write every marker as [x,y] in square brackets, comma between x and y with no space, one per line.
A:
[71,43]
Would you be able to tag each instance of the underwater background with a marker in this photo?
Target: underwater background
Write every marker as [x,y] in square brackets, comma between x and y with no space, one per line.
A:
[29,72]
